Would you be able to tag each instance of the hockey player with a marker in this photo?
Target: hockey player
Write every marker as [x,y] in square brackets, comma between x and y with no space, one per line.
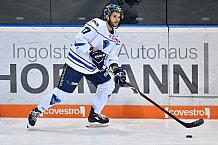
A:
[92,55]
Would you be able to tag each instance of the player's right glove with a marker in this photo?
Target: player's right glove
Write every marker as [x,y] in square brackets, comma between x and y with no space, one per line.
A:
[98,58]
[119,76]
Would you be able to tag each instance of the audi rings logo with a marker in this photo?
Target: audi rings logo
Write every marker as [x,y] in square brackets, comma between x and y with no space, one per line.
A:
[205,112]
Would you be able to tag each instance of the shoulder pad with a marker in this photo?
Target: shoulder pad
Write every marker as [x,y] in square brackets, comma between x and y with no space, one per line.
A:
[96,22]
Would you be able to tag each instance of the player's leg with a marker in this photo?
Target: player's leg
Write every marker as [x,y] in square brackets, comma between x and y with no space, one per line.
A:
[67,84]
[105,86]
[56,96]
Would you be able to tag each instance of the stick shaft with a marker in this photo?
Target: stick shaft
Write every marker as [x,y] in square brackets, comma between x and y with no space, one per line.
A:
[187,125]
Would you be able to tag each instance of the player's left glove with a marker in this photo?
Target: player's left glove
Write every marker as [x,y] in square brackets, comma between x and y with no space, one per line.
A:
[119,76]
[98,58]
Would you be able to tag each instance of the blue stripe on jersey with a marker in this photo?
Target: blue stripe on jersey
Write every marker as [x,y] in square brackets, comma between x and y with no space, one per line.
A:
[79,44]
[79,61]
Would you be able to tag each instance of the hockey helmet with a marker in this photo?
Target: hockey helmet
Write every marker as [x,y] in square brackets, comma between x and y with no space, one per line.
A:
[112,8]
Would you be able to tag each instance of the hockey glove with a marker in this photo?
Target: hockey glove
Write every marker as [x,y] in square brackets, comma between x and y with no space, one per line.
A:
[119,76]
[98,58]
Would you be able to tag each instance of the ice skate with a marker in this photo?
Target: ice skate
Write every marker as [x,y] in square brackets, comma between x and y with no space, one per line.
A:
[97,120]
[34,114]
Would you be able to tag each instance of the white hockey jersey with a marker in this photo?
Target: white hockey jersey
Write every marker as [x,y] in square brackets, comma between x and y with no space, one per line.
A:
[93,34]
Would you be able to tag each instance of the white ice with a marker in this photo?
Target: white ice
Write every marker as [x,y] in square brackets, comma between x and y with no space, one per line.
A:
[71,131]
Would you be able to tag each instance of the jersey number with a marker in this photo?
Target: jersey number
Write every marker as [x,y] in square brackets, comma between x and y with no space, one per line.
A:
[86,30]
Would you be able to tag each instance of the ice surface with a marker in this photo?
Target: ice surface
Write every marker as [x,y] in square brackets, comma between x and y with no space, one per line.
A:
[71,131]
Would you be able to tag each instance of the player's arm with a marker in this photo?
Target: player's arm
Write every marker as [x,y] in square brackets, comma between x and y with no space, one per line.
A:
[98,58]
[83,38]
[119,73]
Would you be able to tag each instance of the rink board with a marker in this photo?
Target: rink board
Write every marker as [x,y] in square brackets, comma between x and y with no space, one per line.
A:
[174,66]
[82,111]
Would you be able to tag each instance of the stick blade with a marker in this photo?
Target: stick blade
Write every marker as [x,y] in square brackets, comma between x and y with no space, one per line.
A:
[194,124]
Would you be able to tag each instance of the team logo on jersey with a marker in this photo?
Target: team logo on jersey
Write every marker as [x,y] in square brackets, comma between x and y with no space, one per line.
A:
[116,39]
[105,43]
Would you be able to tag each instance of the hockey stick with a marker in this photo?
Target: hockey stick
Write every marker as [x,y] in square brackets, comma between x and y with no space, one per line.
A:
[187,125]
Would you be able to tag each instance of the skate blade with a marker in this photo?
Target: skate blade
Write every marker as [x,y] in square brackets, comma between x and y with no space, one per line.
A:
[96,125]
[28,125]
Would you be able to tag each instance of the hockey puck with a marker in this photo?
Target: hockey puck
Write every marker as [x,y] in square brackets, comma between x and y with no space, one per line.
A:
[189,136]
